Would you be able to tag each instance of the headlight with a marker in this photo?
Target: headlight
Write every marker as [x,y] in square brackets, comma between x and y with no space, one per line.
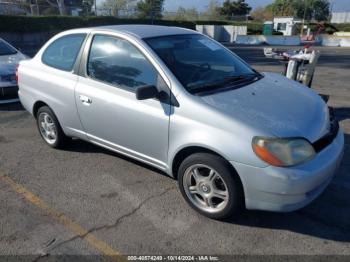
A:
[283,152]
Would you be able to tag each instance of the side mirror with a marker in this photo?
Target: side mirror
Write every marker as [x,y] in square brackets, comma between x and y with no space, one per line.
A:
[146,92]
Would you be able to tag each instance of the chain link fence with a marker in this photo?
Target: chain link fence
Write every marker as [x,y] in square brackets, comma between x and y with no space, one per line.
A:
[18,8]
[10,8]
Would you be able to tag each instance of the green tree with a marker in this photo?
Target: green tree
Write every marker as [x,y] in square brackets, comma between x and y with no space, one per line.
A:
[321,10]
[116,5]
[150,8]
[238,7]
[213,11]
[303,9]
[262,13]
[312,9]
[87,6]
[283,8]
[55,6]
[60,4]
[308,9]
[183,14]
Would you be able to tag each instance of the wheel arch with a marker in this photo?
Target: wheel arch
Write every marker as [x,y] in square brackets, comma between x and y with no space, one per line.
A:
[189,150]
[38,104]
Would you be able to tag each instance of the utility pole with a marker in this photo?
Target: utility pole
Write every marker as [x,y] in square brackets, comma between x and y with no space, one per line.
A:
[37,8]
[95,7]
[152,12]
[302,26]
[34,7]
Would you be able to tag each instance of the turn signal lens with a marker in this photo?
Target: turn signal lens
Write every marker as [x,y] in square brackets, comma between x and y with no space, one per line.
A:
[283,151]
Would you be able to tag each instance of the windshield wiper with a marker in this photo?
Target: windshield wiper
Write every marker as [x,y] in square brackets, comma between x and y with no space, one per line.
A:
[234,79]
[205,87]
[240,77]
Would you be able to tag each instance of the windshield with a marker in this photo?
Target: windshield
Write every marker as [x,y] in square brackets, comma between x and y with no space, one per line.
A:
[6,49]
[199,62]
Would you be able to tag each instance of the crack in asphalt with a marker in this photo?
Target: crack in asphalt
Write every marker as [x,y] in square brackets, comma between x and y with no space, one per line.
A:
[114,225]
[148,182]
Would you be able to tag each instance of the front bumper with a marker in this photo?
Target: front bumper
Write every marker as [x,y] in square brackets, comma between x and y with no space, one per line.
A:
[287,189]
[8,94]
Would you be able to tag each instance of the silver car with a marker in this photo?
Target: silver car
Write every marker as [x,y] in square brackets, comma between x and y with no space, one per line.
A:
[9,59]
[183,103]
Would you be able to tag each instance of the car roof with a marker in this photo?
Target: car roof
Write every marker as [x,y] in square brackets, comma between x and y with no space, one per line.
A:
[140,31]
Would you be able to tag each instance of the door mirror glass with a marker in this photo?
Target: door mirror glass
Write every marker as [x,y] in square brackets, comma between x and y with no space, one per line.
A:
[146,92]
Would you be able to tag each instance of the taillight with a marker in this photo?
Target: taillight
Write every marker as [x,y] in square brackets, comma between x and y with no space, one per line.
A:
[17,77]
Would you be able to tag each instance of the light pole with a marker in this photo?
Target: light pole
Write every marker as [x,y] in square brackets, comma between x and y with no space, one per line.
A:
[302,27]
[37,7]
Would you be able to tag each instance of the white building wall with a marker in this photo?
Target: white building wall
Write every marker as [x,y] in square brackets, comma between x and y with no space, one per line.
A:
[340,17]
[223,33]
[287,21]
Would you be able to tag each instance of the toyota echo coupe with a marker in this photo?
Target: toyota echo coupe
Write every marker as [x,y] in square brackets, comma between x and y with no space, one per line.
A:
[181,102]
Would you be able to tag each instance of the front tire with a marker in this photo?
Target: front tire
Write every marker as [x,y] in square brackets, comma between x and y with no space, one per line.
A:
[210,186]
[49,128]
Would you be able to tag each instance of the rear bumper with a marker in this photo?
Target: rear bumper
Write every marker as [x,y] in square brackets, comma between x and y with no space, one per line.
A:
[288,189]
[8,94]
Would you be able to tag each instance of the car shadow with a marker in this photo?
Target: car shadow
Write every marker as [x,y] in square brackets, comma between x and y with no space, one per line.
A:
[81,146]
[342,113]
[17,106]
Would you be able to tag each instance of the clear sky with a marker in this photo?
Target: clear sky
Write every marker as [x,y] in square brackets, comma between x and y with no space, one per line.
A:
[172,5]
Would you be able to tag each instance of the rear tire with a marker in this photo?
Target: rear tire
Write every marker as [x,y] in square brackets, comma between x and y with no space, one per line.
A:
[50,129]
[209,185]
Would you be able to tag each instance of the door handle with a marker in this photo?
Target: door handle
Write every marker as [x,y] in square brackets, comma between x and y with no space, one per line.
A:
[85,100]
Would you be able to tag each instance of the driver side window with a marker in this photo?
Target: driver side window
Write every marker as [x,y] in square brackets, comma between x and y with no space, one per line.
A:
[119,63]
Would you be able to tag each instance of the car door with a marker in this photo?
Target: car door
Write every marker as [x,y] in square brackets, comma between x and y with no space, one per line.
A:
[107,105]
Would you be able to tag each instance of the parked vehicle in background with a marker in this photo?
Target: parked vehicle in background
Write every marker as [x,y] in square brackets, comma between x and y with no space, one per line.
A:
[9,59]
[181,102]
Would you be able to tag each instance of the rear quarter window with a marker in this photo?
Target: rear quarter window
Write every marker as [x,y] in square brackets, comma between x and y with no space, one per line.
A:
[62,53]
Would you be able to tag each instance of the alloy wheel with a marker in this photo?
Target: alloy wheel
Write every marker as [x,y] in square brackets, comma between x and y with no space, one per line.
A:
[47,128]
[205,188]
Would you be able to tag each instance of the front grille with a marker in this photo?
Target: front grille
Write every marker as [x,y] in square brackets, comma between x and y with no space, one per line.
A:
[327,139]
[8,93]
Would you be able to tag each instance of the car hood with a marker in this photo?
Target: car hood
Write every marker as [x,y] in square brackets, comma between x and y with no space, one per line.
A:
[275,105]
[8,63]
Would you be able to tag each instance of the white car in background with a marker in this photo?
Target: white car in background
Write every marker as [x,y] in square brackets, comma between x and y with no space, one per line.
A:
[9,59]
